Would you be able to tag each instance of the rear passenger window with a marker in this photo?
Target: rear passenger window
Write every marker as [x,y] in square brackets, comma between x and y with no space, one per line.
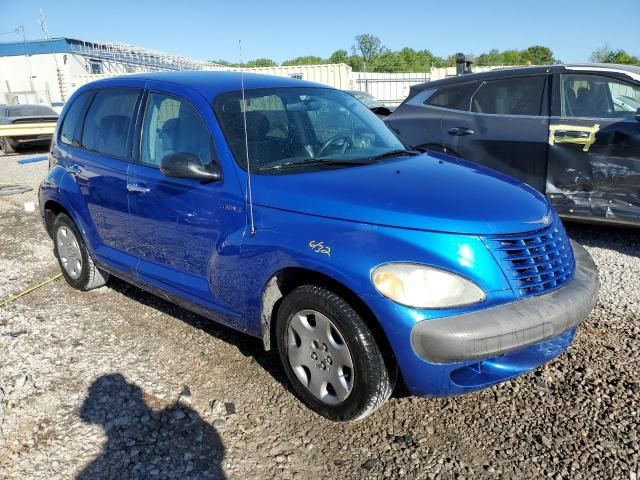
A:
[70,131]
[512,96]
[107,123]
[456,97]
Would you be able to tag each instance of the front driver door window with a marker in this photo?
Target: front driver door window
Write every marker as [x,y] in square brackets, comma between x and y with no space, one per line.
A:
[594,147]
[596,96]
[173,125]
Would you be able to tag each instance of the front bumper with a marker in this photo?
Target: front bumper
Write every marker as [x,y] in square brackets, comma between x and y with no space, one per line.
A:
[37,140]
[504,329]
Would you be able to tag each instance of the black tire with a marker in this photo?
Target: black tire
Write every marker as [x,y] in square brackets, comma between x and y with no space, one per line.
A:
[372,384]
[7,146]
[90,276]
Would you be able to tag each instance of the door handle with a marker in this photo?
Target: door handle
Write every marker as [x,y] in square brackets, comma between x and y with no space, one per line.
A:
[137,188]
[573,134]
[73,169]
[460,131]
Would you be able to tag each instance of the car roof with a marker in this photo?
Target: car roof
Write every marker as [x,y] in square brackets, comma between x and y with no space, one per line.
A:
[630,71]
[212,83]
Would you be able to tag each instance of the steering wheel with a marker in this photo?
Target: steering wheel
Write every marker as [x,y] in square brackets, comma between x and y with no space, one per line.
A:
[348,141]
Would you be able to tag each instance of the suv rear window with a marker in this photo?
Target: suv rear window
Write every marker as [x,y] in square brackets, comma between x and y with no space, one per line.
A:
[107,123]
[511,96]
[70,131]
[30,111]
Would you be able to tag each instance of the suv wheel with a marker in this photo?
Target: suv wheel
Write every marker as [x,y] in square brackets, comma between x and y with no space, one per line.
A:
[330,355]
[74,259]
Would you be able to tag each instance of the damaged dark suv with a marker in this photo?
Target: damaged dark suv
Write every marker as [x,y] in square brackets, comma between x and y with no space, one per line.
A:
[570,131]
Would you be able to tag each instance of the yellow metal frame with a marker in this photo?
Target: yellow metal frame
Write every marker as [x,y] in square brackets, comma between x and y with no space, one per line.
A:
[27,129]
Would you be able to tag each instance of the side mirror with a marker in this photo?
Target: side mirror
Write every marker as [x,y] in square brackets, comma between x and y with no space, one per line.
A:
[187,165]
[381,111]
[638,115]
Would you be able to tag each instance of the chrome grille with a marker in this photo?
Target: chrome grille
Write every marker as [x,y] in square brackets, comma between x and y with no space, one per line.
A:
[534,262]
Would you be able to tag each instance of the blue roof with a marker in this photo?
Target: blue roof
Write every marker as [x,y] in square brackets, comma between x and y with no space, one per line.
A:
[37,47]
[211,83]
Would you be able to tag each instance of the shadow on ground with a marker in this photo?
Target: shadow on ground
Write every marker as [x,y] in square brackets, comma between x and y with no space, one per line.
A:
[26,151]
[146,443]
[248,346]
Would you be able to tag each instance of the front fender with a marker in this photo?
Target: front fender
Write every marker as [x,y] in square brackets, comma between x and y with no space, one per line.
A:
[348,252]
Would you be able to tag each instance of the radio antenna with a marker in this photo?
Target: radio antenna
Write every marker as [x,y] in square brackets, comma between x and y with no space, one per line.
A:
[249,197]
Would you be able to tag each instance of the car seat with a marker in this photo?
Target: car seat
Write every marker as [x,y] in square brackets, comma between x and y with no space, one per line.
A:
[583,103]
[569,101]
[111,135]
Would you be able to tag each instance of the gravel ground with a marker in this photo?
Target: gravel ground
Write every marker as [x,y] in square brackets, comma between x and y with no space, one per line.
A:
[116,383]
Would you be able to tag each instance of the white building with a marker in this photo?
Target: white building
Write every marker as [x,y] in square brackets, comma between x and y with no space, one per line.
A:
[48,71]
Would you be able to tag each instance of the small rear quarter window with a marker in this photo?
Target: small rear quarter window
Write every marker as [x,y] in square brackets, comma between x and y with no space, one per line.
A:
[70,130]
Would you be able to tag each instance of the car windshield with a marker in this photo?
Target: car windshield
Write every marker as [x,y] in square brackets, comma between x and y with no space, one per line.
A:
[368,100]
[302,129]
[29,111]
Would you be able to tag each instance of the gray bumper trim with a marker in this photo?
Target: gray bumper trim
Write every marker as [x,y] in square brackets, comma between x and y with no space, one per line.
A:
[498,330]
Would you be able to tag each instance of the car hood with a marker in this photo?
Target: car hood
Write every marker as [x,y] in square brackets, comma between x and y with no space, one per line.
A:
[431,191]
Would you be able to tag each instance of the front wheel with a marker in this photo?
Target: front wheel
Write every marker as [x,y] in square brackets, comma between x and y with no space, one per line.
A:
[75,262]
[330,356]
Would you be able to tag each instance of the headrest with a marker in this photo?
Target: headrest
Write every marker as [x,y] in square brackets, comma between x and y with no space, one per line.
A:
[257,125]
[171,124]
[111,121]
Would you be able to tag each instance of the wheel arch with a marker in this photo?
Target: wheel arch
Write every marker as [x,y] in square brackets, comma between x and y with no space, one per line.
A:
[52,209]
[287,279]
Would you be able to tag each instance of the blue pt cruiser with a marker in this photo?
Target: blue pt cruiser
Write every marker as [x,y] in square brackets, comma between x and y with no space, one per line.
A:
[289,211]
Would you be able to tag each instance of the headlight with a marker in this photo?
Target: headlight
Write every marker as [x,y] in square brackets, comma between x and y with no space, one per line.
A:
[420,286]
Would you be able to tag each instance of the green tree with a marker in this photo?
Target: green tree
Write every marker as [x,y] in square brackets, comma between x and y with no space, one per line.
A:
[307,60]
[356,63]
[538,55]
[339,56]
[417,61]
[603,54]
[491,58]
[261,62]
[225,63]
[624,58]
[368,47]
[386,61]
[606,54]
[512,57]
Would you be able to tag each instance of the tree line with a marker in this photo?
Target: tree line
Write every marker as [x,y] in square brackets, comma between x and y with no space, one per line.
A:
[368,54]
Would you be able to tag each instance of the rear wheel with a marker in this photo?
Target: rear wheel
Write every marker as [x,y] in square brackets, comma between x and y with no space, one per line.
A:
[7,145]
[75,262]
[330,355]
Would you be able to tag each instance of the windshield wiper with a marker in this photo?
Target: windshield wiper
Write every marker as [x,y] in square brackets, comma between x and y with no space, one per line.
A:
[394,153]
[316,161]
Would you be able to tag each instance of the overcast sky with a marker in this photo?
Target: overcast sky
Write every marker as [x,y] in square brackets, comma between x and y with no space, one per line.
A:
[281,30]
